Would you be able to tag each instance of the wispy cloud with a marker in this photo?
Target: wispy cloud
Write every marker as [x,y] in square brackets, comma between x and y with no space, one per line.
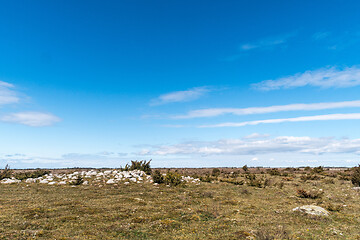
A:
[321,35]
[7,94]
[283,144]
[346,116]
[337,41]
[324,77]
[213,112]
[33,119]
[180,96]
[267,42]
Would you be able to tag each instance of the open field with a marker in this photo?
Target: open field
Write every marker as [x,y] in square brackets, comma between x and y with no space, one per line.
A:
[226,204]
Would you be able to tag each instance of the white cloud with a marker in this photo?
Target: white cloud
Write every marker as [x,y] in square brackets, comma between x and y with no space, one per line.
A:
[180,96]
[267,42]
[33,119]
[321,35]
[7,94]
[282,144]
[256,135]
[345,116]
[324,77]
[213,112]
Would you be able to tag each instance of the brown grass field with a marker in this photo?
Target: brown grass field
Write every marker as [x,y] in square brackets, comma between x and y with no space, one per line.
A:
[228,207]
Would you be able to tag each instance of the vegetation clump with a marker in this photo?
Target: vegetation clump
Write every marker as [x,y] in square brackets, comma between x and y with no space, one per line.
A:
[78,181]
[309,194]
[274,172]
[172,178]
[6,173]
[157,177]
[355,177]
[33,174]
[215,172]
[253,181]
[232,181]
[142,165]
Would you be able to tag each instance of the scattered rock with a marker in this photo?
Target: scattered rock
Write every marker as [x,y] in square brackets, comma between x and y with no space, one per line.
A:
[356,188]
[313,210]
[110,181]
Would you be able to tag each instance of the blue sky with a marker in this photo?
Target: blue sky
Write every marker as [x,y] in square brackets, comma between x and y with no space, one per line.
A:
[185,83]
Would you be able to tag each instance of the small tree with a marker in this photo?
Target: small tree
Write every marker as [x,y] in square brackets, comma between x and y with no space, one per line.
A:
[157,177]
[215,172]
[6,173]
[355,177]
[245,168]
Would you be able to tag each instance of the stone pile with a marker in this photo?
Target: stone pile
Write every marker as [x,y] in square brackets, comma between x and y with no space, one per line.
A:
[92,176]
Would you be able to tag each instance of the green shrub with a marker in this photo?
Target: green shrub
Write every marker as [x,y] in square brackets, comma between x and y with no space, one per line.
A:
[78,181]
[319,169]
[309,194]
[232,181]
[252,181]
[245,168]
[172,178]
[207,178]
[6,173]
[355,177]
[142,165]
[34,174]
[274,172]
[215,172]
[309,177]
[157,177]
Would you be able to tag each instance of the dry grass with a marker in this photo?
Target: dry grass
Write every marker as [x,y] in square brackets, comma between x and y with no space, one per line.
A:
[217,210]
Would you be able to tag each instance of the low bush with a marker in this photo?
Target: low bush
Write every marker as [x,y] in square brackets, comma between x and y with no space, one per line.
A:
[142,165]
[34,174]
[172,178]
[309,177]
[252,181]
[355,177]
[309,194]
[274,172]
[232,181]
[206,178]
[157,177]
[6,173]
[319,169]
[215,172]
[78,181]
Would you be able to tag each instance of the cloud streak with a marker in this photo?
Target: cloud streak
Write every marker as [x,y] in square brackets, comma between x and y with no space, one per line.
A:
[7,94]
[180,96]
[33,119]
[324,78]
[267,42]
[246,146]
[346,116]
[214,112]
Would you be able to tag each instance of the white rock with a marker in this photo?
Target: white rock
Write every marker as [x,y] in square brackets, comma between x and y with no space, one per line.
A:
[110,181]
[85,183]
[107,172]
[52,183]
[126,183]
[30,180]
[62,183]
[356,188]
[313,210]
[44,181]
[9,181]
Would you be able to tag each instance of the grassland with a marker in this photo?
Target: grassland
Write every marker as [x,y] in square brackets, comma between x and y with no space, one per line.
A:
[228,207]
